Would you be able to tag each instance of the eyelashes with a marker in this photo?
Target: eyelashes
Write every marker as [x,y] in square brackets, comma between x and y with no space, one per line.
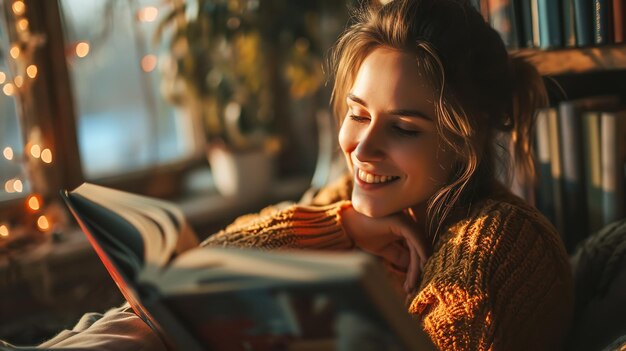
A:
[396,129]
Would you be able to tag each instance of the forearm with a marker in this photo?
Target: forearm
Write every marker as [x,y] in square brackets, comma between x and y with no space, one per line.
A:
[310,227]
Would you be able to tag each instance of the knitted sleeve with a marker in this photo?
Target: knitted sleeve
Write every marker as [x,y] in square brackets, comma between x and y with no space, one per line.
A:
[500,281]
[294,226]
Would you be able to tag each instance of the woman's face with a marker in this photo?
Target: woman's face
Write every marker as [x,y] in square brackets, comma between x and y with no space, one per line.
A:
[389,138]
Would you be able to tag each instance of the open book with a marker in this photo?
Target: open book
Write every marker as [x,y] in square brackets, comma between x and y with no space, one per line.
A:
[203,298]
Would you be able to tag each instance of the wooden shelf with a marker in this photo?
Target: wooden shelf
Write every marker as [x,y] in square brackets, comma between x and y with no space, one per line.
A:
[576,60]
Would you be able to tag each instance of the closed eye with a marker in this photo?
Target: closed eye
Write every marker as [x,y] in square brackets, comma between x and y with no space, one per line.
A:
[406,132]
[359,119]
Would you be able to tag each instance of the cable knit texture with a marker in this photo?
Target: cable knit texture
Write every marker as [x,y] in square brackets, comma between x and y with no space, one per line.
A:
[499,279]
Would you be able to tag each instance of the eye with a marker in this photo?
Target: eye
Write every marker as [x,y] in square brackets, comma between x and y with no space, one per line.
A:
[359,119]
[406,132]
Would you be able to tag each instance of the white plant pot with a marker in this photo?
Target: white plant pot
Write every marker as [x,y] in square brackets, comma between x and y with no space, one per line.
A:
[246,174]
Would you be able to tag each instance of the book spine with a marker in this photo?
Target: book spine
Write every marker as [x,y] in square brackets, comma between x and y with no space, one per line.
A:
[544,194]
[583,16]
[534,12]
[526,22]
[569,27]
[502,19]
[618,21]
[601,22]
[550,35]
[593,168]
[556,171]
[484,9]
[574,204]
[613,131]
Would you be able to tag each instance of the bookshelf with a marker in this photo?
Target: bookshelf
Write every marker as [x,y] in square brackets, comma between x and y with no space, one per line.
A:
[572,191]
[576,60]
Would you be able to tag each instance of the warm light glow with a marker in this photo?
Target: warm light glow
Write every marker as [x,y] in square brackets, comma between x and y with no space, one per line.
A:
[148,63]
[148,14]
[8,186]
[3,77]
[31,71]
[15,51]
[8,153]
[35,151]
[33,202]
[46,156]
[4,231]
[82,49]
[8,89]
[17,185]
[19,80]
[22,24]
[42,223]
[18,7]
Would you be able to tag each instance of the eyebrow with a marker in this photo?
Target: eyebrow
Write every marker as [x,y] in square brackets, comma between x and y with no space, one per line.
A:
[398,112]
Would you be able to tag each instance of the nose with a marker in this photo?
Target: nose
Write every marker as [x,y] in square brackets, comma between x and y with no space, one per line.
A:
[370,145]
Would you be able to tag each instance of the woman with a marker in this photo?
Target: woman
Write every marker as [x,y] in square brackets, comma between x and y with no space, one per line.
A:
[423,91]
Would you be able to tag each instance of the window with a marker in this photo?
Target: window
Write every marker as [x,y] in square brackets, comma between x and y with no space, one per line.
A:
[123,123]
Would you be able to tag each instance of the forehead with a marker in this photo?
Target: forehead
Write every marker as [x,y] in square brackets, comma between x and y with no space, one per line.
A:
[391,77]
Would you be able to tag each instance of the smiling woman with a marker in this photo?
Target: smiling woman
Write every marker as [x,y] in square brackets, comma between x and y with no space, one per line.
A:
[422,104]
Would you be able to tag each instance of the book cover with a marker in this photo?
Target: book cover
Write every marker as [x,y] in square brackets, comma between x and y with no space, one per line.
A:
[502,18]
[601,22]
[593,168]
[525,22]
[199,298]
[544,193]
[550,33]
[619,25]
[583,15]
[573,182]
[569,23]
[534,12]
[613,136]
[556,171]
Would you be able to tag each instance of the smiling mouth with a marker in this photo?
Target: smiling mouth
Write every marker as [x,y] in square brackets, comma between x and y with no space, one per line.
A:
[370,178]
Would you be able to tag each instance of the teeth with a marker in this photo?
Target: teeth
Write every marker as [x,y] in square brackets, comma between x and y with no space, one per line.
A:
[373,179]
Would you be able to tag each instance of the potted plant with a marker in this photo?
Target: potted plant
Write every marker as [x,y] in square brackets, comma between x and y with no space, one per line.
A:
[232,67]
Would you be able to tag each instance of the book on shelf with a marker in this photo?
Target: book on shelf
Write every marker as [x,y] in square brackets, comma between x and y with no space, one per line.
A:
[544,192]
[503,18]
[601,22]
[207,298]
[583,15]
[569,23]
[591,140]
[550,31]
[619,23]
[613,164]
[574,197]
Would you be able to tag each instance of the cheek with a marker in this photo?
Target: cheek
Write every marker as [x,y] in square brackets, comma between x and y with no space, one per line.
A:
[347,138]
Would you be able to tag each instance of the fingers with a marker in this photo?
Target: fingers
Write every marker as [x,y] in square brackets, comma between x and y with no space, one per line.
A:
[396,254]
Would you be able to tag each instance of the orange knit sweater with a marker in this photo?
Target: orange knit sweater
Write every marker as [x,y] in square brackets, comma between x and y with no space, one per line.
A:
[498,279]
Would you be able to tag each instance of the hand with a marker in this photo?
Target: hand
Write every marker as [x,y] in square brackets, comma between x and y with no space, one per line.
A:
[395,238]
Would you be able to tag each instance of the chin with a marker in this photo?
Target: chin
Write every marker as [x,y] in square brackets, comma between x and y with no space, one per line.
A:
[370,210]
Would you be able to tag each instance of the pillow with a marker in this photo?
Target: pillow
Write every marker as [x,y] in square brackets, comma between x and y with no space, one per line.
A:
[599,269]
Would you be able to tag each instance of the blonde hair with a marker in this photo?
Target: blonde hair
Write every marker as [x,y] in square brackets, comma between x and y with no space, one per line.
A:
[482,92]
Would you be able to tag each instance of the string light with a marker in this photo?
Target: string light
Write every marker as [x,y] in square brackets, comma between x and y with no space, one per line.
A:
[8,89]
[22,24]
[8,153]
[35,151]
[19,7]
[18,186]
[18,80]
[148,14]
[15,51]
[42,223]
[46,156]
[3,77]
[148,63]
[8,186]
[31,71]
[34,203]
[4,231]
[82,49]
